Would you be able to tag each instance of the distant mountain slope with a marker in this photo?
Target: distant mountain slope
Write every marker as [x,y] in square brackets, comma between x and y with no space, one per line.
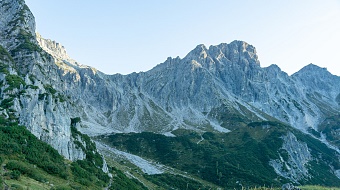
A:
[186,92]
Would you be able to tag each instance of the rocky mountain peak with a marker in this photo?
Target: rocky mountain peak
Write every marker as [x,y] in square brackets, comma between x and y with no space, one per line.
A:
[238,53]
[313,69]
[274,70]
[243,51]
[199,51]
[319,80]
[52,47]
[315,74]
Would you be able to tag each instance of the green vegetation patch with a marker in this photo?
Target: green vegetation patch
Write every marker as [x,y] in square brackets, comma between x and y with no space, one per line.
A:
[4,68]
[6,103]
[121,182]
[32,87]
[20,15]
[26,157]
[26,43]
[21,168]
[88,171]
[4,55]
[18,142]
[50,89]
[14,81]
[220,158]
[224,159]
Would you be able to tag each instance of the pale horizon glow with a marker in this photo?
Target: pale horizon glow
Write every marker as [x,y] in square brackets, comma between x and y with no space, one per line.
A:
[132,36]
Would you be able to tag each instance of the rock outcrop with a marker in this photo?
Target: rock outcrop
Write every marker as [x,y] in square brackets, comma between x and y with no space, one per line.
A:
[294,164]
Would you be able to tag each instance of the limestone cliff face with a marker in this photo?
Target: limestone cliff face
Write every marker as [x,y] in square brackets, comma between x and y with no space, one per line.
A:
[26,77]
[295,165]
[186,92]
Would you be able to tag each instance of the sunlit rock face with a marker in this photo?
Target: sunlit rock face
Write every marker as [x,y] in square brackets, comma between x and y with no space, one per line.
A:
[35,105]
[183,92]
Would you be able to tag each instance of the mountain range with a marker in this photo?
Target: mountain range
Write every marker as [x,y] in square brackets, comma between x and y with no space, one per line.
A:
[220,120]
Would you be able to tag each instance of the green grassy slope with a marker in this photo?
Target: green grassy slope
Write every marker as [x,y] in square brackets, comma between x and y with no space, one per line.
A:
[28,162]
[228,159]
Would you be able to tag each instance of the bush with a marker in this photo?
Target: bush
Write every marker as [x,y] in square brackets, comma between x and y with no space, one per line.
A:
[16,187]
[15,174]
[1,181]
[4,68]
[84,171]
[74,121]
[3,120]
[32,87]
[50,89]
[14,81]
[25,169]
[121,182]
[41,96]
[6,103]
[26,44]
[4,54]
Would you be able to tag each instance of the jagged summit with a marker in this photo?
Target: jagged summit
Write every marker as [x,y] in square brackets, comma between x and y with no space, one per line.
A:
[237,53]
[54,48]
[234,51]
[199,51]
[312,72]
[312,68]
[319,80]
[274,67]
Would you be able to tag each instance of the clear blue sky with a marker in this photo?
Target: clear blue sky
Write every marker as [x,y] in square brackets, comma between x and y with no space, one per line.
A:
[131,36]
